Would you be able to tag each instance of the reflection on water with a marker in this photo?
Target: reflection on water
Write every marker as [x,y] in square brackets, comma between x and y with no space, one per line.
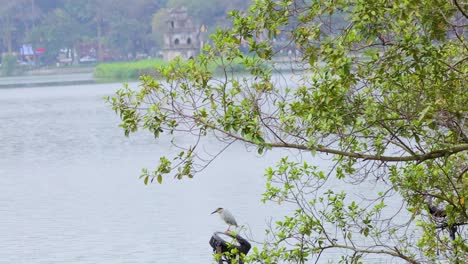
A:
[69,191]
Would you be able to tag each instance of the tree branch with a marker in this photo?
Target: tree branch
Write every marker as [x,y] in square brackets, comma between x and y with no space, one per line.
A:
[417,157]
[460,8]
[397,253]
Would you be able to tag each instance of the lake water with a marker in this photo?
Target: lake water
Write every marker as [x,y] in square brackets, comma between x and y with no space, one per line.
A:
[69,188]
[70,193]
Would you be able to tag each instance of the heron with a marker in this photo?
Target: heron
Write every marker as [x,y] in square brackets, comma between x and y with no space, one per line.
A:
[227,217]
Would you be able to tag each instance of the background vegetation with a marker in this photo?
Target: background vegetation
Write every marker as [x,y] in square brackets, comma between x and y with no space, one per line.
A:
[127,70]
[8,64]
[118,29]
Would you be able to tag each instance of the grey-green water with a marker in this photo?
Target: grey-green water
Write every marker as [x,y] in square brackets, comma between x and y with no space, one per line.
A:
[44,79]
[69,188]
[69,191]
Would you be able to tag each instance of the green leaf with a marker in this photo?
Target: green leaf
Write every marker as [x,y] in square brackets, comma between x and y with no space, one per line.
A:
[260,150]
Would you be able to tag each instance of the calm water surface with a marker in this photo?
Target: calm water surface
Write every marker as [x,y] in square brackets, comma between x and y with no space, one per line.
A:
[69,191]
[69,188]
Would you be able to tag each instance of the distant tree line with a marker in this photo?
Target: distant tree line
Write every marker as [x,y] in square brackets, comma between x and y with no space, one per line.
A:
[100,29]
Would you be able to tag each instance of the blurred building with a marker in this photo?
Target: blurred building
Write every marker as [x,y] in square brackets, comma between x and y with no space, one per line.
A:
[181,37]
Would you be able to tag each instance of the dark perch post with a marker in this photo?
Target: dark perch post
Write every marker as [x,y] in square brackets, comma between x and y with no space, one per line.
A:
[220,245]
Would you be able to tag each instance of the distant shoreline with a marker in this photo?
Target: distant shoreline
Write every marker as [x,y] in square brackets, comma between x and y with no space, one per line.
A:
[45,84]
[50,79]
[109,72]
[58,70]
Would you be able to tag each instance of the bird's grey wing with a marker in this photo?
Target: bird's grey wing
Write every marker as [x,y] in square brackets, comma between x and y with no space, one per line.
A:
[232,220]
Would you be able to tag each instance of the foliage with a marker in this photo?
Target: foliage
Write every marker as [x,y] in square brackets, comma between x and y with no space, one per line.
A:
[133,70]
[57,31]
[158,26]
[384,97]
[122,27]
[14,16]
[211,13]
[127,36]
[127,70]
[8,64]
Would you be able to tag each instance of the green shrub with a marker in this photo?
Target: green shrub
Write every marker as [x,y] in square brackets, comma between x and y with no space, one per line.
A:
[124,71]
[8,64]
[127,70]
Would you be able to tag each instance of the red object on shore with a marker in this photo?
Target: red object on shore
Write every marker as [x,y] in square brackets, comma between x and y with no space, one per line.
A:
[40,50]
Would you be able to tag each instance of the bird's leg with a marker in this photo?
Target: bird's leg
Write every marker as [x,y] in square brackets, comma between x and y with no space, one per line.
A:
[227,231]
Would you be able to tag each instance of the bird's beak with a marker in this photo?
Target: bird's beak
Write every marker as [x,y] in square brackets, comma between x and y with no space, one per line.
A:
[215,211]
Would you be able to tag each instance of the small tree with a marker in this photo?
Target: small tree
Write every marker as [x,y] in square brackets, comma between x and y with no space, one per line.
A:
[382,89]
[8,64]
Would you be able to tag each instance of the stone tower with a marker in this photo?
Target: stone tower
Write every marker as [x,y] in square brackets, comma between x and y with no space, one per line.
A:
[181,37]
